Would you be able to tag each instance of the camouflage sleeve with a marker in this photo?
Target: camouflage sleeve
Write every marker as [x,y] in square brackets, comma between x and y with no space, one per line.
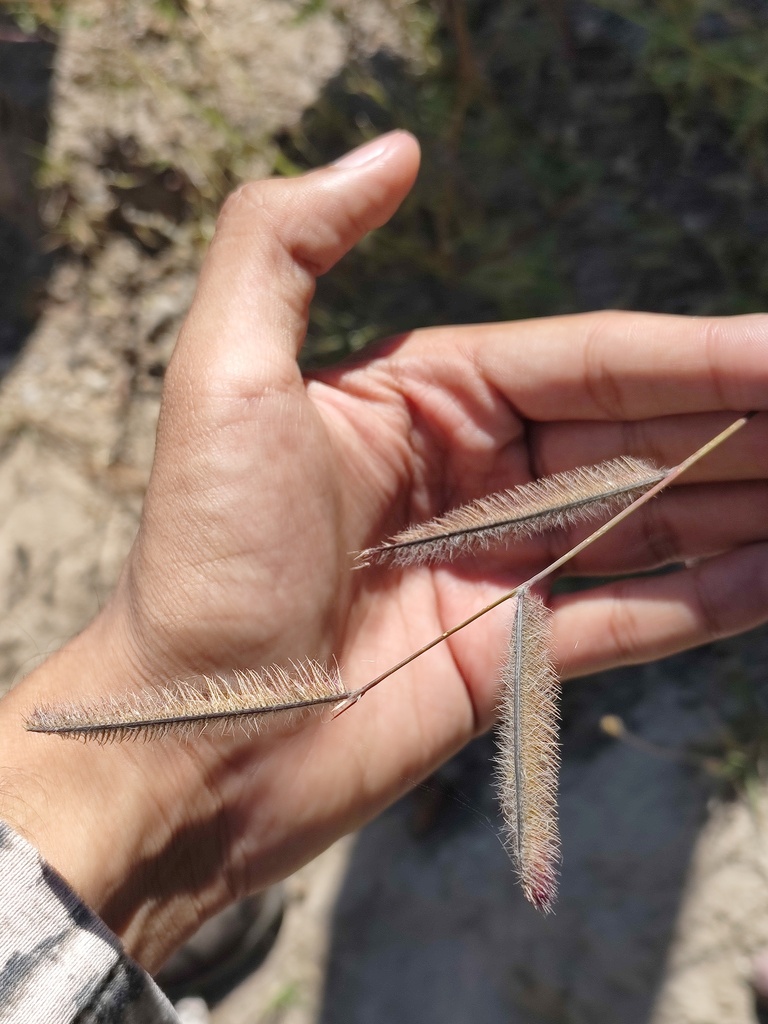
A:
[59,963]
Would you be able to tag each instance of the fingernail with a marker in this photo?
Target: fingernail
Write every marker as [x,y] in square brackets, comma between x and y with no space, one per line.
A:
[365,153]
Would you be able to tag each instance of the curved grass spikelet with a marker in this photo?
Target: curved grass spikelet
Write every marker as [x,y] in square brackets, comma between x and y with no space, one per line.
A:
[553,501]
[235,699]
[528,758]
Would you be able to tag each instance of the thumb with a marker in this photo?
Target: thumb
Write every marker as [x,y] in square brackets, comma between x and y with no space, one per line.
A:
[273,238]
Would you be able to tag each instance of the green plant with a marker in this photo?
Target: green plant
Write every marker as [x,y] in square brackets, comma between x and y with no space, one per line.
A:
[611,156]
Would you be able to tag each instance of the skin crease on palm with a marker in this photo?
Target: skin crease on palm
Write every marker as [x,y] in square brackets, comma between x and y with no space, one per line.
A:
[263,484]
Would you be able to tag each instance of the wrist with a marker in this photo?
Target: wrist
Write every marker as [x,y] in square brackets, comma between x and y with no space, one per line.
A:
[133,828]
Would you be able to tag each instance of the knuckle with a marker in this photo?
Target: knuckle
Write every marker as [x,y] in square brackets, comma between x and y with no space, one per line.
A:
[713,337]
[633,439]
[708,610]
[623,629]
[251,195]
[641,439]
[659,535]
[542,452]
[270,211]
[601,385]
[251,201]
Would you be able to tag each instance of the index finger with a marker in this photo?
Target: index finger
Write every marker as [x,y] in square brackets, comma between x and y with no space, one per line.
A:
[621,366]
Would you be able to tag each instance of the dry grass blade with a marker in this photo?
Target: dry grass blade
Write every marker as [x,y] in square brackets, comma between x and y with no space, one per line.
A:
[528,759]
[545,504]
[239,698]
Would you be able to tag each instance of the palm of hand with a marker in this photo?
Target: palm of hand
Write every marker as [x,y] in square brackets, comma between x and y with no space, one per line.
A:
[301,477]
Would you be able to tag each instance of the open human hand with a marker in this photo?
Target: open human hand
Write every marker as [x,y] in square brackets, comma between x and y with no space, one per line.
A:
[263,484]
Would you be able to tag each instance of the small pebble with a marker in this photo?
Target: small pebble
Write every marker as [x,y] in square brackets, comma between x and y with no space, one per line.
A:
[193,1010]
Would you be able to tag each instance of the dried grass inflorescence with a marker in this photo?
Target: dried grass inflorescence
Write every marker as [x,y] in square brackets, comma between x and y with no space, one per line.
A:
[239,698]
[547,504]
[528,760]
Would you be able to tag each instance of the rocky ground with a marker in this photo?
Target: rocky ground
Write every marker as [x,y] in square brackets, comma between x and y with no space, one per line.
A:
[557,176]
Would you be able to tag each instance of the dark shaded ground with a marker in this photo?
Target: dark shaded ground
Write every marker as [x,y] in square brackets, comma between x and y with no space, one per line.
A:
[25,81]
[430,925]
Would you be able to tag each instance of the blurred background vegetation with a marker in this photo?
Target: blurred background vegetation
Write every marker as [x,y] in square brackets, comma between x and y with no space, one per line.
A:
[576,156]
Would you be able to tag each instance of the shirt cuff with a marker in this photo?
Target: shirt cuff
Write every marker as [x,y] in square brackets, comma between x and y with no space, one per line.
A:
[59,963]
